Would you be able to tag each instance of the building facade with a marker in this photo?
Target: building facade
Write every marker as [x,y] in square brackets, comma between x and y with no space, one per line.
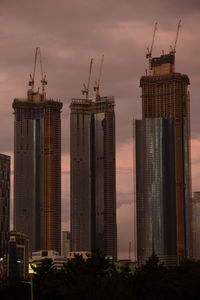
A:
[165,95]
[18,255]
[196,225]
[57,260]
[4,204]
[65,243]
[93,176]
[37,172]
[155,186]
[4,211]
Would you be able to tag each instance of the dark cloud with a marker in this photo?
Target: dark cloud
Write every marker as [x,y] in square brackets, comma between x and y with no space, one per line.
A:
[180,7]
[69,33]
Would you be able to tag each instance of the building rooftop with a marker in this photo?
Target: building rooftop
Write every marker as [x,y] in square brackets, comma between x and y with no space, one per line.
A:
[88,106]
[163,59]
[164,77]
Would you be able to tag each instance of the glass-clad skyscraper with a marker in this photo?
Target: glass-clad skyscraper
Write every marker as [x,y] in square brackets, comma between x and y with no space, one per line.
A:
[155,189]
[4,204]
[93,176]
[165,96]
[37,170]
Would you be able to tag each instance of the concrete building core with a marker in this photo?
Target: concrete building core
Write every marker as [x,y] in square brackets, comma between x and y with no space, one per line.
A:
[163,65]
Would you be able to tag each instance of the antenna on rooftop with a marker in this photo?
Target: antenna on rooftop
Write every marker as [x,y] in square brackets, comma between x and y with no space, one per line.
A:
[43,76]
[97,83]
[149,51]
[86,88]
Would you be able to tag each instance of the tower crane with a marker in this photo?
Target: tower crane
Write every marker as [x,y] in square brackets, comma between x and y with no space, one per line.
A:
[97,83]
[86,88]
[173,49]
[149,51]
[43,76]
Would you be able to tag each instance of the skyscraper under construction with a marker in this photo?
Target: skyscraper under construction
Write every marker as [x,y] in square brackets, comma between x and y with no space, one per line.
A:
[93,175]
[37,168]
[163,171]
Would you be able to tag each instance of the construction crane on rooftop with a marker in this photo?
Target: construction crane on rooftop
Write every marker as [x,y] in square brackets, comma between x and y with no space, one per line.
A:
[97,83]
[173,49]
[43,76]
[149,51]
[86,88]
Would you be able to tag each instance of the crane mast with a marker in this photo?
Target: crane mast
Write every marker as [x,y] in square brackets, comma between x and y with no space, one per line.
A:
[43,76]
[86,88]
[173,49]
[97,83]
[149,51]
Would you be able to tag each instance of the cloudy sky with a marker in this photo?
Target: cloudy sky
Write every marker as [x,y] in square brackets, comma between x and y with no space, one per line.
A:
[69,34]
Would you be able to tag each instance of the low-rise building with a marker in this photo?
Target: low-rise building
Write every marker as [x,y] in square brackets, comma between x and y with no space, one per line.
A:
[18,255]
[39,256]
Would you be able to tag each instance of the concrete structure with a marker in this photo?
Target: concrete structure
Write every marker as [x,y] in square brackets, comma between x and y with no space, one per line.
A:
[4,204]
[93,176]
[57,260]
[196,225]
[65,243]
[165,95]
[18,255]
[37,173]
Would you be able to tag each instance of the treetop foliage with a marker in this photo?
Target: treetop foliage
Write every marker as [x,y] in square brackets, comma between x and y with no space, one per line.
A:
[98,278]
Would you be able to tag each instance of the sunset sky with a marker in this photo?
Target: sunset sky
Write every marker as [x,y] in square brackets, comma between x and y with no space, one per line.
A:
[69,34]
